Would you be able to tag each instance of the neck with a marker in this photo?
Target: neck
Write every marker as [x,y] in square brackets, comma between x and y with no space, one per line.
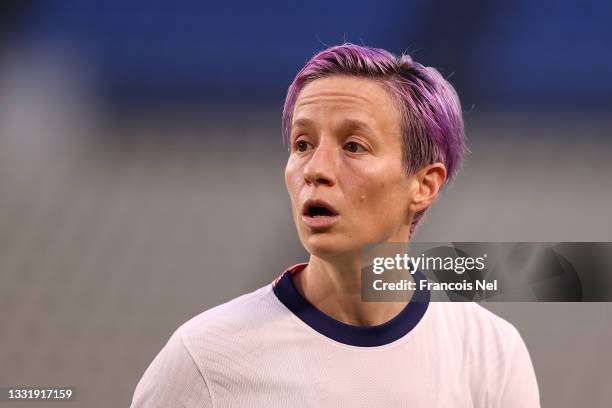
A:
[334,287]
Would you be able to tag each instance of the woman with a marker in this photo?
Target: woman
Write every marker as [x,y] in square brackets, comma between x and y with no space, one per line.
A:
[373,138]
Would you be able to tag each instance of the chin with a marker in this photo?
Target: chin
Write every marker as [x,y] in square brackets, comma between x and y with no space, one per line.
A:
[328,245]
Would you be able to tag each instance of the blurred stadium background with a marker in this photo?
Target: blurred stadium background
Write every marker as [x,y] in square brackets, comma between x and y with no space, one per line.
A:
[141,167]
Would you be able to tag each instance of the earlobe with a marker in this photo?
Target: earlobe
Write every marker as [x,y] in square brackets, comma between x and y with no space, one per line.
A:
[430,180]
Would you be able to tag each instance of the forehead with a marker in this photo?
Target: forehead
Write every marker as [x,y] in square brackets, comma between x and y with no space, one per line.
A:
[362,99]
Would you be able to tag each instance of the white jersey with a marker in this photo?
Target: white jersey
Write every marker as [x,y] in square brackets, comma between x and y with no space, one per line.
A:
[272,348]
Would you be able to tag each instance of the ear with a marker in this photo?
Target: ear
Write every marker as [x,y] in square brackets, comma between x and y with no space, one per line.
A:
[429,181]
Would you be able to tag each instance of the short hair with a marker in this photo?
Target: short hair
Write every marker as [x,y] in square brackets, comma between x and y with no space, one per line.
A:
[431,122]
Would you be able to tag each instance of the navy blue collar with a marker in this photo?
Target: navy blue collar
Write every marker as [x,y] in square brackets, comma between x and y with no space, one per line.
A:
[363,336]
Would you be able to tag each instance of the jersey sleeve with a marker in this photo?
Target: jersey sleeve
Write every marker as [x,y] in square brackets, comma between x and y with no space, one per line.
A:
[172,380]
[520,388]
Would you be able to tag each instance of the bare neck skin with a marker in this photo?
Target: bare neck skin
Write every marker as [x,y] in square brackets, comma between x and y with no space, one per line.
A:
[334,287]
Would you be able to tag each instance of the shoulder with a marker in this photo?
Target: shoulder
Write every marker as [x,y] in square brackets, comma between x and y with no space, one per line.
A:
[472,321]
[491,349]
[246,324]
[178,374]
[231,318]
[172,379]
[478,337]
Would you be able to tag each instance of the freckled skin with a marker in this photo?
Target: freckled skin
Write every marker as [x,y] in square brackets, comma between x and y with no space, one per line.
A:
[356,169]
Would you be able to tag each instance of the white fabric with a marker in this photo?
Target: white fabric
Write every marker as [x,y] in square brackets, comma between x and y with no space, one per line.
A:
[254,352]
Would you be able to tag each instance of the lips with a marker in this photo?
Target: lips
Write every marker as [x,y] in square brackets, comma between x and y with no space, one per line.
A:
[318,214]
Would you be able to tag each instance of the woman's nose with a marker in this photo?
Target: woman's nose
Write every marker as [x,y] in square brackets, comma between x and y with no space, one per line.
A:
[321,166]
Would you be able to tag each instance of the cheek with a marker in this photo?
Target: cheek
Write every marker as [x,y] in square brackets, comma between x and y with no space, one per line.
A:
[379,199]
[368,197]
[292,180]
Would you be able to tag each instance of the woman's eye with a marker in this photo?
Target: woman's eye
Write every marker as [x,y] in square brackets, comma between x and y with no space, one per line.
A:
[301,146]
[354,147]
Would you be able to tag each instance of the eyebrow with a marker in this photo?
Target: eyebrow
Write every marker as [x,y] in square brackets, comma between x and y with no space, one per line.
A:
[351,124]
[304,122]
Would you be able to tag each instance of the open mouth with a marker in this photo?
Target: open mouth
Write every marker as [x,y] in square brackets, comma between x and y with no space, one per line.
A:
[316,209]
[320,211]
[319,216]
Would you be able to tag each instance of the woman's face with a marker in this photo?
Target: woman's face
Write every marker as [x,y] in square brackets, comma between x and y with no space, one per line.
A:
[344,174]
